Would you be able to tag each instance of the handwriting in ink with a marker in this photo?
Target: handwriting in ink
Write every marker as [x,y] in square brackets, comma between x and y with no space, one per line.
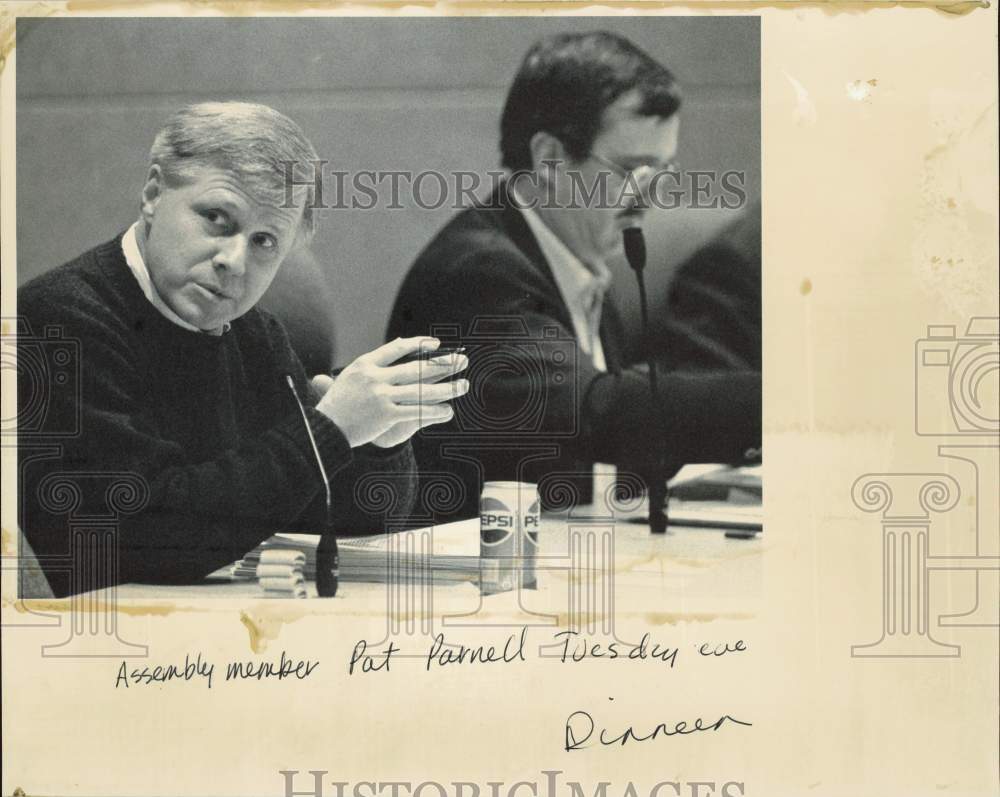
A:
[580,727]
[443,653]
[722,648]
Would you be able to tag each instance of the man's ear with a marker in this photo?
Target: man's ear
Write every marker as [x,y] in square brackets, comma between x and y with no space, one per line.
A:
[152,190]
[547,153]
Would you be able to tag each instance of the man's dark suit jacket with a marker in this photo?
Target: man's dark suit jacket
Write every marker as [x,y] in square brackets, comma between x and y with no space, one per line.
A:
[537,406]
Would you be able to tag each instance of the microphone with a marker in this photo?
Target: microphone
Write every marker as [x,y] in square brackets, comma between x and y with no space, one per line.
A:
[635,252]
[635,249]
[327,554]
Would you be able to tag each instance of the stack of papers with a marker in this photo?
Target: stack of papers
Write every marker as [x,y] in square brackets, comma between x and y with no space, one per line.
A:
[716,514]
[304,544]
[718,497]
[442,554]
[279,573]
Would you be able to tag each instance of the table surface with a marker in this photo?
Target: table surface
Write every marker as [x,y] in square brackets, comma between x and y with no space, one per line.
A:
[693,561]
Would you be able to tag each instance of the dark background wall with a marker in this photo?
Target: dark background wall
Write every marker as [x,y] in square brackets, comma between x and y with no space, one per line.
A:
[375,94]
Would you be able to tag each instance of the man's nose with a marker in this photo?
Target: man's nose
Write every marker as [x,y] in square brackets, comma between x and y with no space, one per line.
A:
[232,255]
[644,183]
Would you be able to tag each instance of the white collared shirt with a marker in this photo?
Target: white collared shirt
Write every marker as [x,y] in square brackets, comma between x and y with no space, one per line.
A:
[136,263]
[582,288]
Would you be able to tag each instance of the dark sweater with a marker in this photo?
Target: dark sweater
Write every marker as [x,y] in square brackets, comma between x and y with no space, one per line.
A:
[205,426]
[539,410]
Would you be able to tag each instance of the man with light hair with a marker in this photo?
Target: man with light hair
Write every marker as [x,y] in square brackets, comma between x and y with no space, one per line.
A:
[188,387]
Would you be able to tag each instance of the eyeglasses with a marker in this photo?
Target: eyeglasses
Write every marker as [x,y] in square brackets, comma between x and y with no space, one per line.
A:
[639,173]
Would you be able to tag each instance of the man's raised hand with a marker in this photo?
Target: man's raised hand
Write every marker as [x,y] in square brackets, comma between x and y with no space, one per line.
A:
[374,401]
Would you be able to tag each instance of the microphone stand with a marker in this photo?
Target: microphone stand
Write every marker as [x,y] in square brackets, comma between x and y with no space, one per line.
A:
[635,252]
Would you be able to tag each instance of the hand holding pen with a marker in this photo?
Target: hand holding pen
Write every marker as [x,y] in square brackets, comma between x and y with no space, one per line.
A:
[387,395]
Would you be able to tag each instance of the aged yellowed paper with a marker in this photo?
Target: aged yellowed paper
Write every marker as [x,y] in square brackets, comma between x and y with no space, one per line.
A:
[852,648]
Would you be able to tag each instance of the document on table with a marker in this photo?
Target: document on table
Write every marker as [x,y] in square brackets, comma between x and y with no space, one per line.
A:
[715,496]
[453,549]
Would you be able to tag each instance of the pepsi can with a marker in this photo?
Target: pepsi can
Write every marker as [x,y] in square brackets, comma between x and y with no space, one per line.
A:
[508,535]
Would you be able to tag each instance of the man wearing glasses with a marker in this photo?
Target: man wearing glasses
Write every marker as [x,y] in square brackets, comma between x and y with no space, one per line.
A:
[589,127]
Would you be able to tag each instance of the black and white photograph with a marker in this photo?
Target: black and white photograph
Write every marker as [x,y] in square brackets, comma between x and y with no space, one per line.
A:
[556,221]
[499,399]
